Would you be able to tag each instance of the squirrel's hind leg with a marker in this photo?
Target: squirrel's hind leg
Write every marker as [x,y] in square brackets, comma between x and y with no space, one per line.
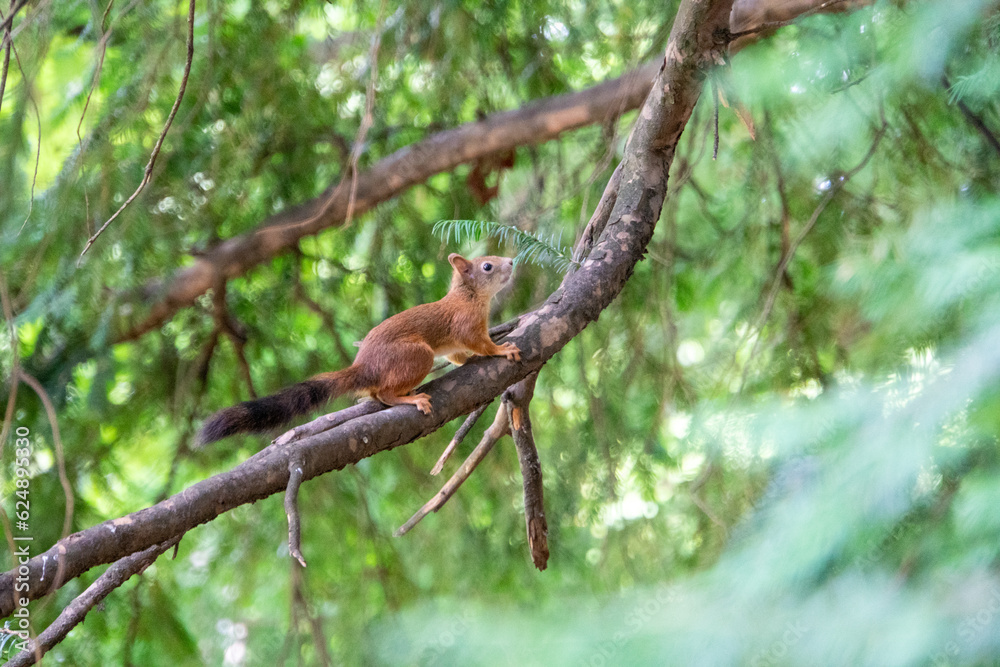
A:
[411,363]
[422,401]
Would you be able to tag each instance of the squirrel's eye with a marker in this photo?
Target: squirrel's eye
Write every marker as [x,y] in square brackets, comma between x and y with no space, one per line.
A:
[487,267]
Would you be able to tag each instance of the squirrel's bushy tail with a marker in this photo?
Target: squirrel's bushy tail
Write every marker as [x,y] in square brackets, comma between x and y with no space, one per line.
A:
[278,409]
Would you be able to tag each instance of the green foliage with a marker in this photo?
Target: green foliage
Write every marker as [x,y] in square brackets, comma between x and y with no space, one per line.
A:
[530,247]
[741,466]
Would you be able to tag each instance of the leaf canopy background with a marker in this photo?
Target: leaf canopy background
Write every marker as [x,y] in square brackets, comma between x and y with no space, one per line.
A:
[744,462]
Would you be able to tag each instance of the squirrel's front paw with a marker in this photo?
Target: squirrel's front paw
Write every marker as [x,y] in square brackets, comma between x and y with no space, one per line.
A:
[423,403]
[511,351]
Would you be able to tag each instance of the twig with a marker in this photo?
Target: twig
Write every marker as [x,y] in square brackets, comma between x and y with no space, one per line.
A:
[837,185]
[40,8]
[50,412]
[459,436]
[517,399]
[292,510]
[769,25]
[301,603]
[327,422]
[695,490]
[715,117]
[224,323]
[974,120]
[325,315]
[599,220]
[498,429]
[163,135]
[102,48]
[369,117]
[15,373]
[9,21]
[359,140]
[6,41]
[38,145]
[74,613]
[8,313]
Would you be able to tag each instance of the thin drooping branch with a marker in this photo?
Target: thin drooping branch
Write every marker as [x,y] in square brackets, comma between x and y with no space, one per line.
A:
[518,399]
[838,183]
[15,7]
[226,324]
[459,436]
[15,374]
[498,429]
[50,412]
[532,124]
[5,44]
[292,511]
[74,613]
[369,116]
[694,47]
[38,141]
[301,606]
[148,174]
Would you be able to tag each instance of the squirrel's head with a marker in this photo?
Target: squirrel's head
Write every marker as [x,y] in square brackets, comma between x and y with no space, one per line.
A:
[483,275]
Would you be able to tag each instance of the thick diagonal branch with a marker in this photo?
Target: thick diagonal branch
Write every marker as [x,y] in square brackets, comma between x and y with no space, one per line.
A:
[75,611]
[694,46]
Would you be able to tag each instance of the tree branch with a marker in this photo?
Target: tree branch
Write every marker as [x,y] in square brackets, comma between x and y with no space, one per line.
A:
[75,611]
[532,124]
[50,412]
[459,436]
[327,422]
[5,25]
[292,511]
[148,174]
[517,399]
[498,429]
[695,45]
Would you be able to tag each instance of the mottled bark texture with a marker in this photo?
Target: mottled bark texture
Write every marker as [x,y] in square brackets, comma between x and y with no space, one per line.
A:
[518,402]
[696,42]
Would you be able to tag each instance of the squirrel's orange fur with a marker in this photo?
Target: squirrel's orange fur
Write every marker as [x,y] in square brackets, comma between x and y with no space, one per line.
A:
[395,356]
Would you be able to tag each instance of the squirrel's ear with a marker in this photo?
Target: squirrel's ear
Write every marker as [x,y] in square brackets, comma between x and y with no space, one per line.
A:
[461,264]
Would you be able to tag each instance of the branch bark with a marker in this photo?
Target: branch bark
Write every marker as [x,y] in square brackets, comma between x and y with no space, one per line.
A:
[696,43]
[518,400]
[76,611]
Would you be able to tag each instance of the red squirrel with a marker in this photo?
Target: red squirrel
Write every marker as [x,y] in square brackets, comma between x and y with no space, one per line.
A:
[394,357]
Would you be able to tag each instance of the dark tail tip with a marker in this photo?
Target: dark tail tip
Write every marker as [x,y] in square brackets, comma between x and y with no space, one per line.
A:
[266,413]
[223,424]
